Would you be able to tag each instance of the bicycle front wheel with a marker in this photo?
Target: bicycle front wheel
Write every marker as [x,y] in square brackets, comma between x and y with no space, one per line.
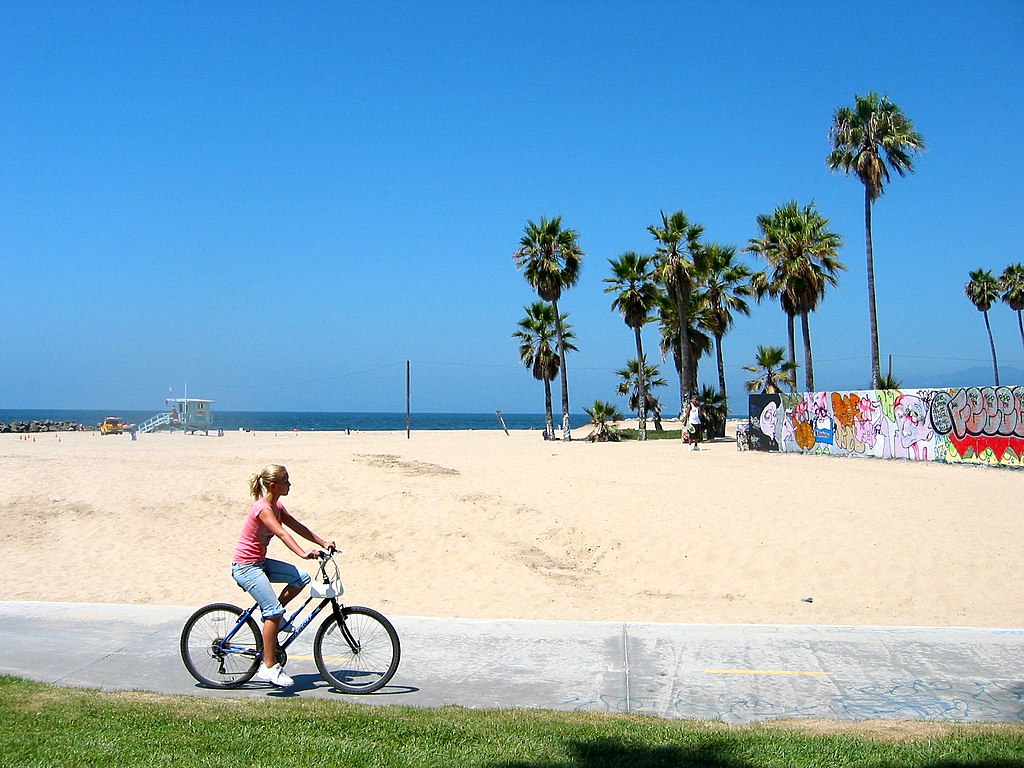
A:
[213,658]
[361,654]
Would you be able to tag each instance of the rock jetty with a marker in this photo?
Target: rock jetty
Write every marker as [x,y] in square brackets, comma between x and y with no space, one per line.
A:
[44,425]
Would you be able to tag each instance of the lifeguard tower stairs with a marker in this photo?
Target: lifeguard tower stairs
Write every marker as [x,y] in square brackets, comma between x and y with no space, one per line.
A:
[187,414]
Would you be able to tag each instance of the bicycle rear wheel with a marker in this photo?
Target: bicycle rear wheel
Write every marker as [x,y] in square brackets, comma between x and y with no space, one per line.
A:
[210,660]
[360,655]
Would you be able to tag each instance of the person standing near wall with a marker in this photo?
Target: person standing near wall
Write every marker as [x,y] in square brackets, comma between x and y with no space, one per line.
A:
[693,423]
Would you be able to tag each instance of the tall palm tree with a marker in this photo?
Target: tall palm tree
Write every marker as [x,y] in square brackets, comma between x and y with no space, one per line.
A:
[538,350]
[1012,281]
[678,245]
[801,252]
[725,286]
[983,291]
[551,260]
[629,385]
[869,139]
[636,294]
[772,369]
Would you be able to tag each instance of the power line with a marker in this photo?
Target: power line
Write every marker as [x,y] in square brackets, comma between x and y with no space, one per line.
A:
[262,385]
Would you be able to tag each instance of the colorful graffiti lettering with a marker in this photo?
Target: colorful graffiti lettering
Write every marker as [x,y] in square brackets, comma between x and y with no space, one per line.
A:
[983,423]
[969,424]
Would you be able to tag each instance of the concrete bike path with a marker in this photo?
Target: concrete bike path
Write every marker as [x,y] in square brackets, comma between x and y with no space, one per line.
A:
[733,673]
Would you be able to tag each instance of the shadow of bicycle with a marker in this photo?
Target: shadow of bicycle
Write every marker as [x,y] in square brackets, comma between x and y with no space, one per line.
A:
[313,682]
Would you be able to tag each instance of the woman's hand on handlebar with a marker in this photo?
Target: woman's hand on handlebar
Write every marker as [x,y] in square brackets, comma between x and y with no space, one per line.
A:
[328,550]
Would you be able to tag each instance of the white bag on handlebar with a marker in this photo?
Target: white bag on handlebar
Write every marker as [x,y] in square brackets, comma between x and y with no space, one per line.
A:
[331,589]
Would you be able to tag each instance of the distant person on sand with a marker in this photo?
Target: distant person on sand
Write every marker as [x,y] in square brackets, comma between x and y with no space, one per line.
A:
[692,420]
[254,572]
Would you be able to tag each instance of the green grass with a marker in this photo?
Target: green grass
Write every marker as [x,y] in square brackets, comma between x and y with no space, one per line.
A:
[46,726]
[652,434]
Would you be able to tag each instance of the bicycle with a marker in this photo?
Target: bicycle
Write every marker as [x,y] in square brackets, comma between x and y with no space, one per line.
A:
[356,649]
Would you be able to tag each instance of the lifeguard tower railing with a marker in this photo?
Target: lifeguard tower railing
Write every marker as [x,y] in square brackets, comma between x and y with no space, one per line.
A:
[154,423]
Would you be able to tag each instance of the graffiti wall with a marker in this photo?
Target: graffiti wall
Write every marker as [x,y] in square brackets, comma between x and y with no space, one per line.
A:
[981,425]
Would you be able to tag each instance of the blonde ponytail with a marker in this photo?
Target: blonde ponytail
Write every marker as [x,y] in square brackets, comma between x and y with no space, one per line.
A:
[260,482]
[255,486]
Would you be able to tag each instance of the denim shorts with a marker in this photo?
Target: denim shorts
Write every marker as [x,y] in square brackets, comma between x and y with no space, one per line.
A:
[255,578]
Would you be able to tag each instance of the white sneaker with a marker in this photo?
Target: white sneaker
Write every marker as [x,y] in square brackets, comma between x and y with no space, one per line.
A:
[274,675]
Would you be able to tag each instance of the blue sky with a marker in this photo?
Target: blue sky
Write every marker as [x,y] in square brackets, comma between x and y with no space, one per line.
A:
[279,204]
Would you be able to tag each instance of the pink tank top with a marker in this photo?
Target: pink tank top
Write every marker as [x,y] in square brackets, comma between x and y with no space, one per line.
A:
[255,536]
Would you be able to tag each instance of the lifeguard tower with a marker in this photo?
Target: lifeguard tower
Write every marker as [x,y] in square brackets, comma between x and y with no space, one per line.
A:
[186,414]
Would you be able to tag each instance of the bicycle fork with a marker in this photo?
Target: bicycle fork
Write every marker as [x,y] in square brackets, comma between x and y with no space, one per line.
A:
[353,644]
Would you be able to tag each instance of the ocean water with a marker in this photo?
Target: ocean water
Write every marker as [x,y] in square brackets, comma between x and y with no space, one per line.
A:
[266,421]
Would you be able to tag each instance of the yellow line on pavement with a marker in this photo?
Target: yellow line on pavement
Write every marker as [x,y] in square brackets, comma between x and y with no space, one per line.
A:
[781,672]
[335,659]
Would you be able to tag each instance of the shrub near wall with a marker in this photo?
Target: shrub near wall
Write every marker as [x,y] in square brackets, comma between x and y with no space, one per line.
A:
[980,425]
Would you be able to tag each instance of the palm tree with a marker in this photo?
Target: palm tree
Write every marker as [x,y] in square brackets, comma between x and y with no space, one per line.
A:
[714,407]
[700,343]
[668,324]
[725,285]
[551,260]
[538,351]
[763,285]
[983,290]
[868,140]
[630,386]
[801,253]
[888,381]
[678,245]
[636,295]
[772,369]
[1012,281]
[600,414]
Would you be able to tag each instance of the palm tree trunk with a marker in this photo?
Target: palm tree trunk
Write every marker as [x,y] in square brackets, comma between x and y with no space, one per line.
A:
[876,369]
[677,358]
[992,343]
[805,328]
[1020,323]
[641,385]
[686,374]
[693,373]
[566,426]
[721,378]
[549,419]
[792,346]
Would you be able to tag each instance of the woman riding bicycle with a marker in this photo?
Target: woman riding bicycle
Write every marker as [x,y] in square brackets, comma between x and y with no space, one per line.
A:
[254,572]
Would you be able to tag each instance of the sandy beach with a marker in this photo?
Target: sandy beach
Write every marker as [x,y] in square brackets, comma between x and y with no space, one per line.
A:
[487,525]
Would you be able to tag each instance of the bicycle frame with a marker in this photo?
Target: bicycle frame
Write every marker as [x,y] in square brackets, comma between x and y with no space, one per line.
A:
[225,646]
